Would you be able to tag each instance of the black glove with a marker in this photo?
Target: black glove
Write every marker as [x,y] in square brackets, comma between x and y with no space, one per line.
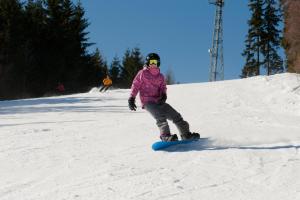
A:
[131,103]
[163,98]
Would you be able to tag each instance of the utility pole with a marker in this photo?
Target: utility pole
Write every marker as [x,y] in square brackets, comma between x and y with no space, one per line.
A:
[216,52]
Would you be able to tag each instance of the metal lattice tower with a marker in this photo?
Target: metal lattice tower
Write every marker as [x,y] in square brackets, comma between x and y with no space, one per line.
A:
[216,52]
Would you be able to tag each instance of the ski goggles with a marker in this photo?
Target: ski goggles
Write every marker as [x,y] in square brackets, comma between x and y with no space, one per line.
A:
[153,62]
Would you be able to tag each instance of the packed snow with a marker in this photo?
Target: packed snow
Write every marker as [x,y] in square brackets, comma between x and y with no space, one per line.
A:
[90,146]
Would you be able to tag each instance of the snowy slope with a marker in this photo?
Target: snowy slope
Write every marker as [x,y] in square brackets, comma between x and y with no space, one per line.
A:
[90,146]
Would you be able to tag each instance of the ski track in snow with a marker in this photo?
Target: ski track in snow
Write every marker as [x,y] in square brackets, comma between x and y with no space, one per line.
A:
[90,146]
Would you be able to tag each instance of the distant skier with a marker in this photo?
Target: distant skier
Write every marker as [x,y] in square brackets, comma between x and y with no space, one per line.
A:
[107,83]
[151,85]
[60,88]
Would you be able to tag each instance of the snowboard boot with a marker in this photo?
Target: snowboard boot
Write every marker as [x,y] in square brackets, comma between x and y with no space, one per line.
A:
[168,137]
[190,136]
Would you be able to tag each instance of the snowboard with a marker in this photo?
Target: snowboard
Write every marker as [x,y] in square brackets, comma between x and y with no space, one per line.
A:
[160,145]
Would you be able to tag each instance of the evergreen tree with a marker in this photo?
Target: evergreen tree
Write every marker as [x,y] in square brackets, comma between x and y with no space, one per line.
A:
[68,59]
[250,65]
[271,38]
[79,25]
[254,37]
[11,48]
[137,59]
[114,71]
[97,69]
[57,42]
[125,69]
[78,49]
[132,63]
[35,32]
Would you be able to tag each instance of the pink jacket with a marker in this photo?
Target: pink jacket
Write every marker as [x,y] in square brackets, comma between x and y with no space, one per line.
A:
[151,87]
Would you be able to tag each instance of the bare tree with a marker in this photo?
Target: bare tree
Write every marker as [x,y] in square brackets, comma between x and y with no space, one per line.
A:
[291,40]
[170,78]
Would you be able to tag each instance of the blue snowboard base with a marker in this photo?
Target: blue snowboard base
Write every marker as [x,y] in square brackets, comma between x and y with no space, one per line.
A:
[160,145]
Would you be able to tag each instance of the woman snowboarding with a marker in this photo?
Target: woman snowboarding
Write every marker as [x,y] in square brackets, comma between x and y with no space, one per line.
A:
[151,86]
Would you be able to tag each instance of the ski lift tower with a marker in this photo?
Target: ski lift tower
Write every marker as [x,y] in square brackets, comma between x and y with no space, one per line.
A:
[216,52]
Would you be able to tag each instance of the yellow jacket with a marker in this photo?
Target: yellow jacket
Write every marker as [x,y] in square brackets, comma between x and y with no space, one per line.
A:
[107,81]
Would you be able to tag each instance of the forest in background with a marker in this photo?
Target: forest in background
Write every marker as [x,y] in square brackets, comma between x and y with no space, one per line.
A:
[44,43]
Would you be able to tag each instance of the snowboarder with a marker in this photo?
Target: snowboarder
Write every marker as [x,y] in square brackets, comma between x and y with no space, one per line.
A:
[151,85]
[107,82]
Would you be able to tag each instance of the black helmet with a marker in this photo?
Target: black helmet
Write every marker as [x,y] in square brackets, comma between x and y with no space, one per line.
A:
[152,56]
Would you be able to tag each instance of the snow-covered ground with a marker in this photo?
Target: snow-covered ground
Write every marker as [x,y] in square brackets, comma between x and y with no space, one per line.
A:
[91,147]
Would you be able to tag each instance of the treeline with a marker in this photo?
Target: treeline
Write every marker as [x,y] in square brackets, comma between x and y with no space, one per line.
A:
[44,42]
[264,39]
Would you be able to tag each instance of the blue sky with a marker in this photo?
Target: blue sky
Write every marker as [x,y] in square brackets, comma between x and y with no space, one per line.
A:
[180,31]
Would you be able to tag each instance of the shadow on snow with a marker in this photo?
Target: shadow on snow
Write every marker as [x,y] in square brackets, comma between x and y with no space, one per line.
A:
[206,144]
[66,104]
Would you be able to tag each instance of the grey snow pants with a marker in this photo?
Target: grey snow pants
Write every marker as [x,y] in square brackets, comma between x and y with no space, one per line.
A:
[162,112]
